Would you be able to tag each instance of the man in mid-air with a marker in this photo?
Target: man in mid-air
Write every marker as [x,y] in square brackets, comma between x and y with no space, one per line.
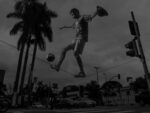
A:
[81,27]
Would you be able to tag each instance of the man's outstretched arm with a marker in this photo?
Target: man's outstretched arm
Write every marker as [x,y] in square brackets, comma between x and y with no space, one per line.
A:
[71,26]
[90,17]
[94,14]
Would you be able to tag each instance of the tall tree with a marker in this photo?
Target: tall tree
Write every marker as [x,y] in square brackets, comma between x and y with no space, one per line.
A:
[44,30]
[110,88]
[94,93]
[138,84]
[36,19]
[19,26]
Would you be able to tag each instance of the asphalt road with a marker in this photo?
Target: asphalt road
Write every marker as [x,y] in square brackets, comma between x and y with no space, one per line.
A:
[114,109]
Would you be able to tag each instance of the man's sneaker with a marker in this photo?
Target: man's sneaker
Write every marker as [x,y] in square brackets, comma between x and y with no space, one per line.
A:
[80,75]
[55,67]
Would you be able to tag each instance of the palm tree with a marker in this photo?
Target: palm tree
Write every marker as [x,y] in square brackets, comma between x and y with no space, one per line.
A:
[41,20]
[20,26]
[35,21]
[46,30]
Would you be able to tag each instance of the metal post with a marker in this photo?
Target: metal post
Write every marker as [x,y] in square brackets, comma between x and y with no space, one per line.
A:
[147,75]
[96,68]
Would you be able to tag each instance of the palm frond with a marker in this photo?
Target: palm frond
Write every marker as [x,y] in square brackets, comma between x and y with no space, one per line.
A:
[14,15]
[18,6]
[35,1]
[48,33]
[36,20]
[49,12]
[17,27]
[22,40]
[52,14]
[40,41]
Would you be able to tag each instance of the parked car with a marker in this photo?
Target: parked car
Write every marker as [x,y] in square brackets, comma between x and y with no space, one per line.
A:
[64,103]
[84,102]
[143,98]
[38,105]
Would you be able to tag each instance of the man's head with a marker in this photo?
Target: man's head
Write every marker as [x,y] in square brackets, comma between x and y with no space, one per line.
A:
[75,13]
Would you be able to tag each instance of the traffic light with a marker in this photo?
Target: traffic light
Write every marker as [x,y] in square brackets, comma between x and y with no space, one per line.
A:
[133,50]
[134,29]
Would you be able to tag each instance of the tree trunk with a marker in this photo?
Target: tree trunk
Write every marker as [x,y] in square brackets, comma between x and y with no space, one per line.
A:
[24,72]
[16,82]
[30,78]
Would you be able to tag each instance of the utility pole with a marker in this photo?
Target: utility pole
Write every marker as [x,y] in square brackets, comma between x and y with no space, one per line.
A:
[96,68]
[135,31]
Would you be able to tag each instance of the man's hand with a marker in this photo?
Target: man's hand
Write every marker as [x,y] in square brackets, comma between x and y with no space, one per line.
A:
[98,7]
[65,27]
[62,27]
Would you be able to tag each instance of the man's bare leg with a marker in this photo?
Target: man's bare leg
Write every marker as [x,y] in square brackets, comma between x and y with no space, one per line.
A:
[80,63]
[62,57]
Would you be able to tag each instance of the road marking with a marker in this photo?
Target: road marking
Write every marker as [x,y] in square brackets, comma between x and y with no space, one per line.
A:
[129,111]
[97,110]
[17,112]
[86,110]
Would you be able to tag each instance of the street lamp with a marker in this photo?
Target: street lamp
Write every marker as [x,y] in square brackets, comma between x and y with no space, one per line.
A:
[96,68]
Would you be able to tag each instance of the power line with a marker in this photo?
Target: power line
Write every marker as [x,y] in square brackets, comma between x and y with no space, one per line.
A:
[38,58]
[107,69]
[8,44]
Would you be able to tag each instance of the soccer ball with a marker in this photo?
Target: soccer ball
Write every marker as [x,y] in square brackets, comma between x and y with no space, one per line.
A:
[50,57]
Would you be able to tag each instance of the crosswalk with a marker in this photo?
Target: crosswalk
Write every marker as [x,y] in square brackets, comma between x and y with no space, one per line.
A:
[91,110]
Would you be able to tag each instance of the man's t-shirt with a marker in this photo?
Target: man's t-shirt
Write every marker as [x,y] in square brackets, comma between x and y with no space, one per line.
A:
[81,27]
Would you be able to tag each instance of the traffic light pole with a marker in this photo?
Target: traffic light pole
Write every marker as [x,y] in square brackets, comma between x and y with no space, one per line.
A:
[147,75]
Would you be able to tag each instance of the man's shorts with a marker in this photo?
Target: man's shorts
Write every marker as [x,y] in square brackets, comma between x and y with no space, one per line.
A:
[78,46]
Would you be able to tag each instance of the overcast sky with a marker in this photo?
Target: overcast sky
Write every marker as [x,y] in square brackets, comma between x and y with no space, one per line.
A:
[105,49]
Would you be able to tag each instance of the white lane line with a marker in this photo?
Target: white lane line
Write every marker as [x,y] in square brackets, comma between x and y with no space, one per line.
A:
[128,111]
[17,112]
[89,110]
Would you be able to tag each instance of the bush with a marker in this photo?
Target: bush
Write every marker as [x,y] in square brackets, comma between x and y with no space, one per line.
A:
[143,98]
